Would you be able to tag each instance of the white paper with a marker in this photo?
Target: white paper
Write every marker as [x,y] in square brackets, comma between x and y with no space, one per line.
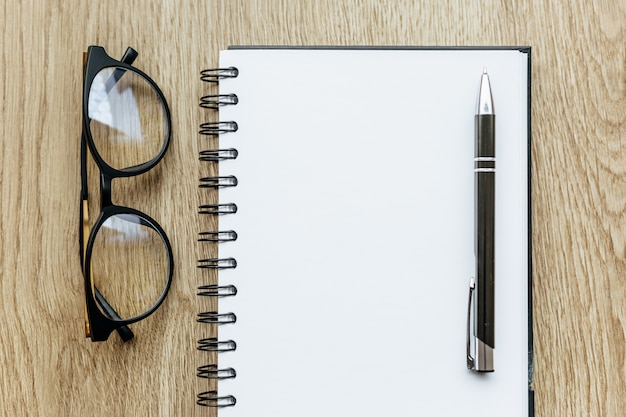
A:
[355,232]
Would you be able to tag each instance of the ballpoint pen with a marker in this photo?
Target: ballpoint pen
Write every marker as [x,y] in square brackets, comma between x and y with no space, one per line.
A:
[482,286]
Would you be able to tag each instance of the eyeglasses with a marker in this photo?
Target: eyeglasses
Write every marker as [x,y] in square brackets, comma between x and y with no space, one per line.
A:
[126,256]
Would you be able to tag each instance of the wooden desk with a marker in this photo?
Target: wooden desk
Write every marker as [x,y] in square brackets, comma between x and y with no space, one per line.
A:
[578,168]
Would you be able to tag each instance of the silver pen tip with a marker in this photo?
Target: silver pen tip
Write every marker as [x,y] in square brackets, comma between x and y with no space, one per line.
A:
[485,101]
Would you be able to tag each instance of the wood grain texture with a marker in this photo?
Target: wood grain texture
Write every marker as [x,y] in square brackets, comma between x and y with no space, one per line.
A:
[578,186]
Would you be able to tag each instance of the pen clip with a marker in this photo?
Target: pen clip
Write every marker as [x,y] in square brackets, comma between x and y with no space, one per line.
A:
[470,359]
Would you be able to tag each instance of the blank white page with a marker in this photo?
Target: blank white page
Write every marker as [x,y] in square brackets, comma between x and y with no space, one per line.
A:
[355,232]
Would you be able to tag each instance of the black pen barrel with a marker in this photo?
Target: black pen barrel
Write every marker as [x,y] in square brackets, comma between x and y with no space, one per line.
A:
[484,188]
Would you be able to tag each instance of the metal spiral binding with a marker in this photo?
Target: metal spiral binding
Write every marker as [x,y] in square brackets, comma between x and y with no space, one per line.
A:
[214,318]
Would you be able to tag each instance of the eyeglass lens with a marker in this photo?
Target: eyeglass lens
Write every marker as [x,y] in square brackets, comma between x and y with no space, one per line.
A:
[128,120]
[129,264]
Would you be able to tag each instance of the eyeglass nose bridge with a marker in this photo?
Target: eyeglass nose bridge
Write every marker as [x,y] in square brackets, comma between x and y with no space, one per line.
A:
[106,179]
[105,190]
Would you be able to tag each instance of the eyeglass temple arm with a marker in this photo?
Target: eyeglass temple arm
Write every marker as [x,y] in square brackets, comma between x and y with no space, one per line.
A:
[125,333]
[129,57]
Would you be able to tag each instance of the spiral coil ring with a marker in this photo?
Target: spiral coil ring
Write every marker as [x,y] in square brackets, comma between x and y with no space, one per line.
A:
[217,128]
[215,101]
[211,344]
[213,317]
[211,399]
[225,236]
[212,372]
[217,290]
[219,182]
[217,263]
[217,155]
[214,75]
[217,209]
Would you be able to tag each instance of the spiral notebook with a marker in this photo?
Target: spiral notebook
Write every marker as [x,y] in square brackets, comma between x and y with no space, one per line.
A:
[346,232]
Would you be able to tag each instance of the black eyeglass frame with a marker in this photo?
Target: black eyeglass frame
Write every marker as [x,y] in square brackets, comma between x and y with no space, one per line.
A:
[101,321]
